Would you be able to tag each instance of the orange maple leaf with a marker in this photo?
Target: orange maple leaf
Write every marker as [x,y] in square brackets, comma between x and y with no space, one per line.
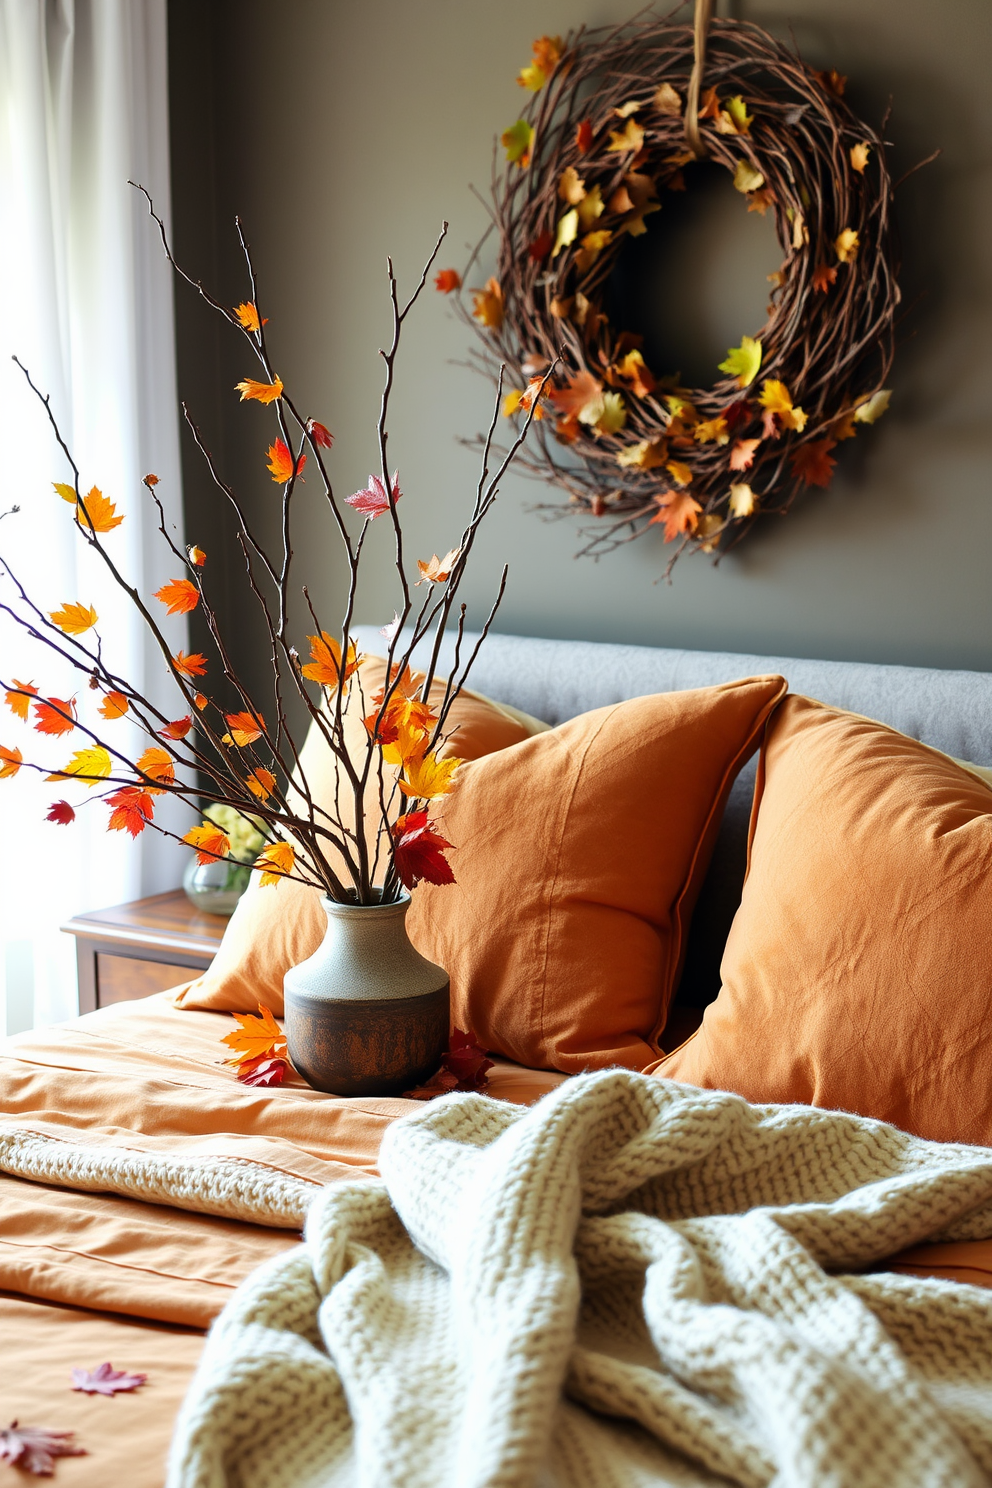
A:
[178,728]
[679,511]
[261,392]
[281,463]
[74,618]
[209,841]
[157,764]
[55,716]
[201,701]
[436,569]
[487,305]
[261,783]
[95,513]
[581,394]
[179,596]
[10,762]
[132,808]
[275,862]
[812,462]
[583,137]
[742,454]
[197,556]
[245,728]
[18,698]
[248,316]
[114,705]
[447,281]
[824,275]
[190,666]
[256,1037]
[325,664]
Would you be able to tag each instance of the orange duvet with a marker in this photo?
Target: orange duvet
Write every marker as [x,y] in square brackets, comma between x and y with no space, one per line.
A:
[88,1275]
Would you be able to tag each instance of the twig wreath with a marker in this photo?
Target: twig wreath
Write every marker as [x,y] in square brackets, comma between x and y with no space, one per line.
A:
[618,116]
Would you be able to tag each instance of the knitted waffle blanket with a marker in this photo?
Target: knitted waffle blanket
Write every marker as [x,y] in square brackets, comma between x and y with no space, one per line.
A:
[633,1282]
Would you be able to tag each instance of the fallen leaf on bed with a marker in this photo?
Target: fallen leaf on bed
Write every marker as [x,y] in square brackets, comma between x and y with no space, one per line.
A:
[60,812]
[55,716]
[257,1037]
[443,1082]
[34,1448]
[265,1071]
[465,1067]
[106,1380]
[419,851]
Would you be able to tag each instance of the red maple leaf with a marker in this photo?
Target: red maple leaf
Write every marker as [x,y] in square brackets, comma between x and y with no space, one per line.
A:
[812,463]
[374,499]
[737,413]
[823,276]
[265,1070]
[447,281]
[55,716]
[419,851]
[178,728]
[583,137]
[320,434]
[541,246]
[61,812]
[132,809]
[34,1448]
[464,1067]
[281,463]
[105,1380]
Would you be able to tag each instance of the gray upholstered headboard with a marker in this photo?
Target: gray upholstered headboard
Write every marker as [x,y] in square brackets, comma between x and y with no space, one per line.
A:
[555,680]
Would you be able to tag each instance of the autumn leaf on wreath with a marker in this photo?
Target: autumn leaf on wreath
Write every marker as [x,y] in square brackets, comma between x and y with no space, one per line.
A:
[106,1380]
[679,472]
[824,275]
[74,619]
[541,246]
[55,716]
[487,305]
[742,454]
[843,426]
[873,408]
[18,698]
[261,782]
[156,764]
[647,454]
[374,500]
[34,1448]
[325,664]
[846,245]
[780,413]
[571,186]
[281,463]
[518,142]
[178,728]
[742,501]
[547,55]
[95,513]
[92,765]
[248,316]
[630,138]
[131,809]
[711,431]
[436,570]
[633,372]
[613,417]
[859,156]
[678,511]
[320,434]
[61,813]
[737,413]
[760,201]
[747,177]
[179,596]
[10,762]
[812,462]
[428,777]
[114,705]
[581,399]
[257,1036]
[196,556]
[194,665]
[832,81]
[566,232]
[447,281]
[261,392]
[667,101]
[275,862]
[245,728]
[419,851]
[209,842]
[743,362]
[583,137]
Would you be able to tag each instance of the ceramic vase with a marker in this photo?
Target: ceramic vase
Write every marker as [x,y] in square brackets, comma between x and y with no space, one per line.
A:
[366,1014]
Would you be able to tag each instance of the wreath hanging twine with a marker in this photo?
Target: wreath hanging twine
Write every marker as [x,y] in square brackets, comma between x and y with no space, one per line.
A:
[617,120]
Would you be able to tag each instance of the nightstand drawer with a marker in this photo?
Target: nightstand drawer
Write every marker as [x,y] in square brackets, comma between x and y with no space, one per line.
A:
[121,978]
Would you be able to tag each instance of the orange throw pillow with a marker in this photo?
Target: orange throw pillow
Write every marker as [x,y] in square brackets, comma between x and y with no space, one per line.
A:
[858,970]
[281,925]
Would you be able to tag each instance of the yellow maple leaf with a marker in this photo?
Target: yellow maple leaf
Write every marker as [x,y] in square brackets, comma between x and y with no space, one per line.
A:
[613,416]
[255,1038]
[667,101]
[747,177]
[275,862]
[630,138]
[742,500]
[859,156]
[873,407]
[247,316]
[679,472]
[567,231]
[262,392]
[10,762]
[743,362]
[209,841]
[711,431]
[261,782]
[739,116]
[427,776]
[590,207]
[74,619]
[846,245]
[96,514]
[518,141]
[67,492]
[649,454]
[487,305]
[776,399]
[92,765]
[512,402]
[592,246]
[571,187]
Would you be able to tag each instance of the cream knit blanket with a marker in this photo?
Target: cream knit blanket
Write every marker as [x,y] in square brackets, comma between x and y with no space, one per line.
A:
[633,1282]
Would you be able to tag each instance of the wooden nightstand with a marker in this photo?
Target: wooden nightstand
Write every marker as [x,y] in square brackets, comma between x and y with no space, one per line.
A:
[133,950]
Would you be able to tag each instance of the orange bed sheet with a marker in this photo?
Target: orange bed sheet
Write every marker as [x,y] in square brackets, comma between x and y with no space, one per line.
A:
[90,1276]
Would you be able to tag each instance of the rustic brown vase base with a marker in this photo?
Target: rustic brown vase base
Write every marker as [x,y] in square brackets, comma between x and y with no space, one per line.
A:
[375,1046]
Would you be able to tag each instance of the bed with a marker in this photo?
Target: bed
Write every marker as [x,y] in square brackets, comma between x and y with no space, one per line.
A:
[103,1259]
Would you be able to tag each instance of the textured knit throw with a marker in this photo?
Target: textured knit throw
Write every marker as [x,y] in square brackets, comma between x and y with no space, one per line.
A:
[631,1283]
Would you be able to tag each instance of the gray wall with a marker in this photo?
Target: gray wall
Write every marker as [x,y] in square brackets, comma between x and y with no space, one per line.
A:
[342,132]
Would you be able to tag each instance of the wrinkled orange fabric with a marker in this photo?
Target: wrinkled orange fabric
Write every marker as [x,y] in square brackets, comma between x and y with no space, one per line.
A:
[281,925]
[857,972]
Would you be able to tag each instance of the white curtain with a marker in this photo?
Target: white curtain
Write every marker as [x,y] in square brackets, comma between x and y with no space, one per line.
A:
[86,303]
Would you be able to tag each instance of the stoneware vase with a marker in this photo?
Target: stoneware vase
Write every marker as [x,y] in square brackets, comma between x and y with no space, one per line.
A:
[366,1014]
